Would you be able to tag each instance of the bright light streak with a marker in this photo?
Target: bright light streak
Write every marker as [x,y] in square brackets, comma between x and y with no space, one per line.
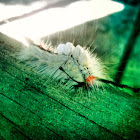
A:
[8,11]
[58,19]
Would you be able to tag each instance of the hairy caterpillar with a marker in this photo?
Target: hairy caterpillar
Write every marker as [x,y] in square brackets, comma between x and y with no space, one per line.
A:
[74,66]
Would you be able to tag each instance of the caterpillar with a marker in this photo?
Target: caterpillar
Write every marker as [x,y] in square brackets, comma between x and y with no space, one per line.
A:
[71,65]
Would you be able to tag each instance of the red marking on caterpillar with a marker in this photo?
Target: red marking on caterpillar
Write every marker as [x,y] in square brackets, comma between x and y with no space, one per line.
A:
[47,49]
[90,79]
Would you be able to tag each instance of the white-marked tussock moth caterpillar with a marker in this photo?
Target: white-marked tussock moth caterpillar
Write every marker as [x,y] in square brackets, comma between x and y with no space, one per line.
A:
[69,64]
[73,66]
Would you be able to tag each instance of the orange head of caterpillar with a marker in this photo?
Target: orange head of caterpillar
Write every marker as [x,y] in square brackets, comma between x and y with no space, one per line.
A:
[90,80]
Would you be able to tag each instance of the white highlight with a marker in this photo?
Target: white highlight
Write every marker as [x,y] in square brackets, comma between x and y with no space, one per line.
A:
[76,52]
[57,19]
[68,49]
[84,58]
[8,11]
[60,49]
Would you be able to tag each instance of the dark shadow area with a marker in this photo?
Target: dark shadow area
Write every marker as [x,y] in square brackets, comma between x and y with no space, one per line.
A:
[128,49]
[131,2]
